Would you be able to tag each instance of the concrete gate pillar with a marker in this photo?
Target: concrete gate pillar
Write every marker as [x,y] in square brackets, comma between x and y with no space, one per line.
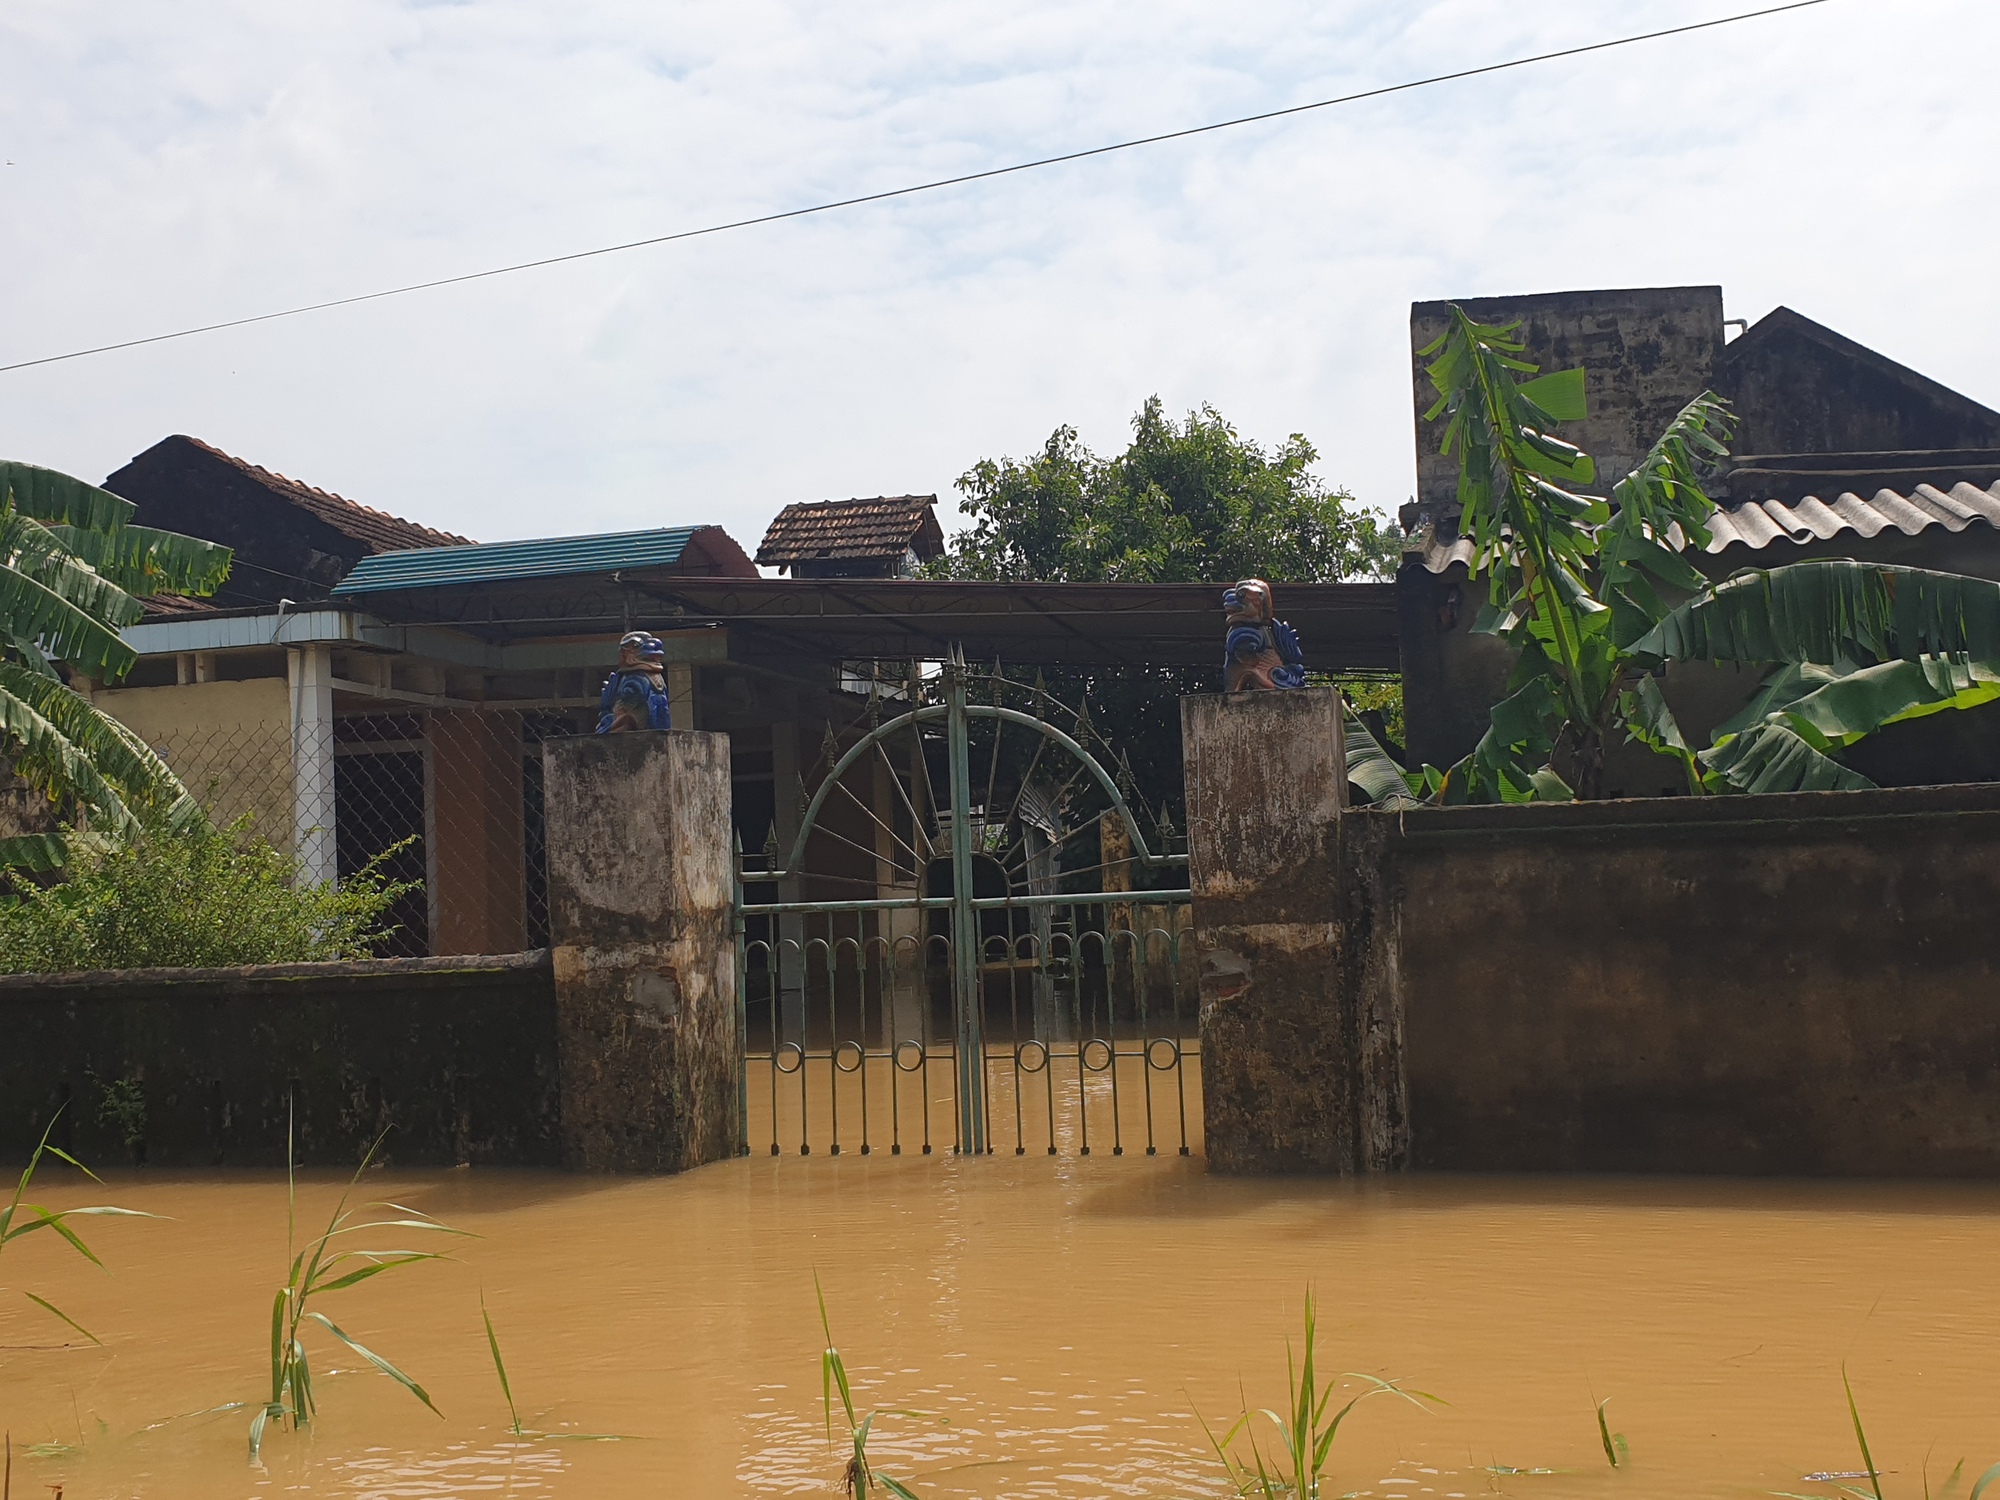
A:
[1282,1090]
[644,953]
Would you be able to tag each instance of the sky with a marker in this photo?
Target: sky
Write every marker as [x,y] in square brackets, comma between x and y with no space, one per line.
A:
[170,165]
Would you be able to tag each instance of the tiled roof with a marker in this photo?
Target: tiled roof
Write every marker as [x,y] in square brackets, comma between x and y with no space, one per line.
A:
[377,530]
[1758,524]
[830,530]
[173,606]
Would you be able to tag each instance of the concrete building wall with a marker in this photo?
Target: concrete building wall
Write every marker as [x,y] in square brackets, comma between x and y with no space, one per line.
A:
[1646,352]
[229,741]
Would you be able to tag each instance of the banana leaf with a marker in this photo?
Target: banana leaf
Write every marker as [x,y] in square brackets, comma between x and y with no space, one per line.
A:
[1832,612]
[35,612]
[36,852]
[1372,771]
[1651,722]
[1772,757]
[1836,714]
[144,561]
[53,497]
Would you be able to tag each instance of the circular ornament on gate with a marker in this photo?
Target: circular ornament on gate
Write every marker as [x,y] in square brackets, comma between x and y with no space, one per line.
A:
[1031,1056]
[913,1051]
[846,1050]
[792,1051]
[1096,1054]
[1159,1047]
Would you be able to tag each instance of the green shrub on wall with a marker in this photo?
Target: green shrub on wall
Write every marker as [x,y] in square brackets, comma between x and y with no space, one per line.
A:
[197,898]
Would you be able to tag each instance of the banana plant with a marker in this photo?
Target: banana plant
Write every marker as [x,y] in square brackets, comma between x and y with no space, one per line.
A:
[1598,597]
[1572,578]
[73,568]
[1859,646]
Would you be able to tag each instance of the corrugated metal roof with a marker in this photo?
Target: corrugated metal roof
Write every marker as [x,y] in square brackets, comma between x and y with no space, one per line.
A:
[1812,519]
[833,530]
[431,567]
[1761,523]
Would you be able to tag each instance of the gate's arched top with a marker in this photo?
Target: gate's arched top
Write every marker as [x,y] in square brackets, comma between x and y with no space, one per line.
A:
[933,714]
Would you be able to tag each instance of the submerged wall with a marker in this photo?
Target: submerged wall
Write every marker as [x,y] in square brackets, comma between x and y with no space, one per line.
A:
[1799,985]
[616,1050]
[455,1057]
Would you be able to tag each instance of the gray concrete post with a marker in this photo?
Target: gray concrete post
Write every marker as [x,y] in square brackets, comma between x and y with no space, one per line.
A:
[640,928]
[1266,784]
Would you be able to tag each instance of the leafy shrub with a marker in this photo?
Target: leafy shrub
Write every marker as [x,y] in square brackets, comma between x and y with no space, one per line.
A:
[202,897]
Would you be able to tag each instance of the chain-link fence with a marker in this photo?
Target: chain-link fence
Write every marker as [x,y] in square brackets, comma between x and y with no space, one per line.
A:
[447,800]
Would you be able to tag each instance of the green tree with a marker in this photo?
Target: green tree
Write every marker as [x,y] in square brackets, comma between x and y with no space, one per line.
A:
[72,570]
[1597,597]
[1189,502]
[1184,503]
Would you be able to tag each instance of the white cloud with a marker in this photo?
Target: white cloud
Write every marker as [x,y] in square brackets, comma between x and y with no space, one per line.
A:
[180,164]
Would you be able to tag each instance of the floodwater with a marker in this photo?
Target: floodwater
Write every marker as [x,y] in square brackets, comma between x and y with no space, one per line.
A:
[1055,1322]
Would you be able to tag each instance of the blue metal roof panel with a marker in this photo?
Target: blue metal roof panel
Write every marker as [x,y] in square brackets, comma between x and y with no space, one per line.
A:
[432,567]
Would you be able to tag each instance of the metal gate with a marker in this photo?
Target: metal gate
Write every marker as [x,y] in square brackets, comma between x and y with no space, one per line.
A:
[966,940]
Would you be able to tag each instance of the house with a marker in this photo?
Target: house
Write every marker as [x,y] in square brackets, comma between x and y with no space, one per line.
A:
[889,536]
[291,541]
[1840,452]
[400,715]
[342,736]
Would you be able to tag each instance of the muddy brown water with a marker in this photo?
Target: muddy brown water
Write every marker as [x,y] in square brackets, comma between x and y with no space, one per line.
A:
[1056,1321]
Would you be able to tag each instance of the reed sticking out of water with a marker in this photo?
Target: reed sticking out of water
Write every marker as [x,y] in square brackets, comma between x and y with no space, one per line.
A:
[1872,1474]
[1615,1447]
[57,1220]
[1305,1434]
[507,1390]
[1860,1436]
[860,1479]
[321,1267]
[500,1366]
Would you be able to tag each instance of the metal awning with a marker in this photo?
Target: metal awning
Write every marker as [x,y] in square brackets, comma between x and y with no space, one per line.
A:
[1343,626]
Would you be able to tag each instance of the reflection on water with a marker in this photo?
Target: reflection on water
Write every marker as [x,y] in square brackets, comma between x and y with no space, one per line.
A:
[1055,1320]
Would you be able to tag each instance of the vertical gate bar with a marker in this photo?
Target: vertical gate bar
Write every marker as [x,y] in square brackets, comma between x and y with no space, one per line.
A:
[861,1035]
[742,998]
[1111,1025]
[971,1047]
[771,991]
[1014,1019]
[1048,1042]
[1082,1037]
[1146,1035]
[895,1068]
[924,1032]
[833,1033]
[805,1036]
[1181,1053]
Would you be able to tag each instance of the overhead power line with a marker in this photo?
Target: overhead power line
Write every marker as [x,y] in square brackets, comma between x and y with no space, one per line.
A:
[920,187]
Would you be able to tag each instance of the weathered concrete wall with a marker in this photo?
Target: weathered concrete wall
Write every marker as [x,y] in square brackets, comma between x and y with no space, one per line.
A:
[1646,351]
[640,914]
[1280,1046]
[1800,985]
[456,1057]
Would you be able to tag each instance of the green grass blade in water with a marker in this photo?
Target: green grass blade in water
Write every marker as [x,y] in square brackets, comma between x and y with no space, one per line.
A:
[499,1365]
